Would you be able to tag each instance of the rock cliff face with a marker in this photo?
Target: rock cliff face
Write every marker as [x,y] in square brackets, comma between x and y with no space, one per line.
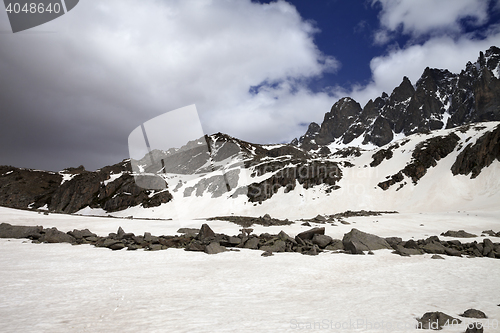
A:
[111,188]
[439,99]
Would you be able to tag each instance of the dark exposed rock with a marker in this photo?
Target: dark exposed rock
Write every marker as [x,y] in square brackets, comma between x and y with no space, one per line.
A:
[452,252]
[436,321]
[214,248]
[393,241]
[335,245]
[308,174]
[357,241]
[479,155]
[321,240]
[205,233]
[434,248]
[80,234]
[11,231]
[252,243]
[53,235]
[267,254]
[274,246]
[309,234]
[247,221]
[473,313]
[406,252]
[436,256]
[458,234]
[195,246]
[381,155]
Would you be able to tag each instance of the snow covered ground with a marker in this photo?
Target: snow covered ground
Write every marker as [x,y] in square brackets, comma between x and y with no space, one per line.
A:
[64,288]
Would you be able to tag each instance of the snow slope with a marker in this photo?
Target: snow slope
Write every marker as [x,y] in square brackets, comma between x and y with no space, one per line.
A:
[64,288]
[437,190]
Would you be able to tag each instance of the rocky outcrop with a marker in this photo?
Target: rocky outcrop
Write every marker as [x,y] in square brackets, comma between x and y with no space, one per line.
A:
[357,241]
[72,189]
[439,99]
[436,321]
[474,157]
[425,155]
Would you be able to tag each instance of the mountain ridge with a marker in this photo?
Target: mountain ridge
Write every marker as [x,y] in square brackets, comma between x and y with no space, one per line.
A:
[439,99]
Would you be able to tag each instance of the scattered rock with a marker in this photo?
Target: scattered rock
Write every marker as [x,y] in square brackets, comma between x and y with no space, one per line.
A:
[436,321]
[11,231]
[252,243]
[195,246]
[275,246]
[436,256]
[357,241]
[214,248]
[458,234]
[473,313]
[267,254]
[205,233]
[53,235]
[322,240]
[335,245]
[309,234]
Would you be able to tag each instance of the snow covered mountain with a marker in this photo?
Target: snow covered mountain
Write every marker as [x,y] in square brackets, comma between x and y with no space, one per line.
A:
[449,169]
[439,100]
[433,147]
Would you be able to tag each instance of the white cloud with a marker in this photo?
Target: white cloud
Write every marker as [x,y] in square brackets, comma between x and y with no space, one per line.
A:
[421,17]
[113,65]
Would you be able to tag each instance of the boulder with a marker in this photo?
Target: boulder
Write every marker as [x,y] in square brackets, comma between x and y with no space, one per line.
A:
[309,234]
[53,235]
[205,234]
[458,234]
[436,256]
[276,246]
[14,231]
[436,321]
[321,240]
[406,252]
[252,243]
[195,246]
[267,254]
[284,237]
[452,252]
[487,247]
[393,241]
[80,234]
[357,241]
[335,245]
[473,313]
[313,251]
[434,248]
[214,248]
[411,244]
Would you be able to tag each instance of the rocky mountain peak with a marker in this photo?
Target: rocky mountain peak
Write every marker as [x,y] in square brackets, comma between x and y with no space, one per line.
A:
[439,99]
[338,120]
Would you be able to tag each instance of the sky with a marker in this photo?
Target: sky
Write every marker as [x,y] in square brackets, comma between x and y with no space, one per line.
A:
[73,89]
